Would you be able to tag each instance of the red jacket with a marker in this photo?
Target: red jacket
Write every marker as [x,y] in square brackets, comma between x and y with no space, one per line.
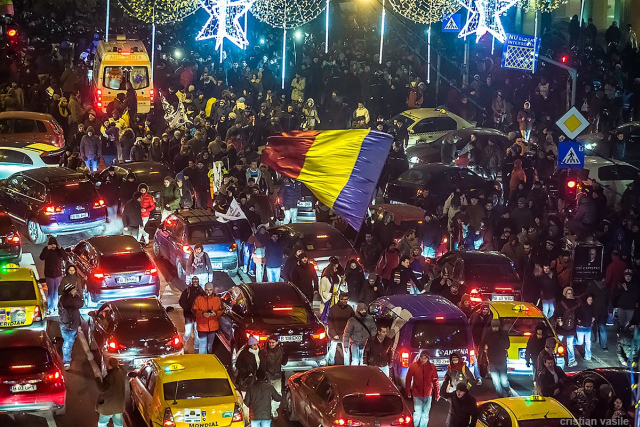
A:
[148,204]
[422,380]
[615,272]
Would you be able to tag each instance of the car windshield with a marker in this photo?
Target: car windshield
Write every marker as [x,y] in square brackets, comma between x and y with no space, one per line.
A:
[548,422]
[439,334]
[128,261]
[524,326]
[284,314]
[197,389]
[408,121]
[320,241]
[374,405]
[17,290]
[210,233]
[497,272]
[76,192]
[154,179]
[116,77]
[415,176]
[51,158]
[26,360]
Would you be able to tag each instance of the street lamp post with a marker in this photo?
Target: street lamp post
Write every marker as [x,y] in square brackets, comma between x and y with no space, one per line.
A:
[384,13]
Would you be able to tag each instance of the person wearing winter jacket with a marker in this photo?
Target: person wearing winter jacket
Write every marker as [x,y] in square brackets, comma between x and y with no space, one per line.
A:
[186,190]
[585,219]
[127,188]
[378,350]
[388,261]
[360,328]
[550,378]
[52,255]
[272,359]
[109,186]
[371,290]
[147,206]
[169,197]
[91,149]
[355,279]
[199,265]
[431,235]
[304,277]
[332,284]
[626,298]
[207,308]
[548,285]
[457,372]
[247,363]
[261,397]
[463,408]
[274,252]
[601,308]
[496,343]
[69,307]
[566,322]
[403,279]
[339,315]
[290,194]
[112,398]
[585,318]
[421,384]
[72,277]
[132,215]
[186,301]
[535,344]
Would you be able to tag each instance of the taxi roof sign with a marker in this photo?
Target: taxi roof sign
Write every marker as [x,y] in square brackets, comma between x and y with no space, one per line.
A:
[572,123]
[520,307]
[174,367]
[535,398]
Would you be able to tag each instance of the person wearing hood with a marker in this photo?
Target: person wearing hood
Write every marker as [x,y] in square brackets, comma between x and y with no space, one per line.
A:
[262,396]
[72,277]
[310,113]
[359,329]
[463,408]
[137,153]
[585,220]
[108,187]
[53,255]
[132,215]
[304,277]
[127,188]
[187,298]
[495,343]
[91,149]
[272,358]
[355,279]
[187,192]
[69,307]
[465,305]
[169,197]
[247,363]
[626,298]
[421,384]
[566,322]
[290,263]
[549,380]
[371,290]
[535,344]
[457,372]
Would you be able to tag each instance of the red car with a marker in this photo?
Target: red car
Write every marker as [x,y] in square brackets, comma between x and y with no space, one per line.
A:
[355,396]
[30,373]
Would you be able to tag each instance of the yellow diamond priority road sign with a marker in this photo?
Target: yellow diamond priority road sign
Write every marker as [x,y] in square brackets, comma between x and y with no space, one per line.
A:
[572,123]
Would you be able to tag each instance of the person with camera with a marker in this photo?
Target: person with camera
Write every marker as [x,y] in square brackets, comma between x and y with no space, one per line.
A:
[207,309]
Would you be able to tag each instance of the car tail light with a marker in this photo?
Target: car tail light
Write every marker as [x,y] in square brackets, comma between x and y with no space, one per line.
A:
[99,97]
[176,342]
[504,288]
[113,344]
[98,203]
[100,275]
[475,295]
[260,336]
[37,315]
[347,422]
[571,183]
[13,238]
[527,334]
[315,264]
[320,334]
[402,421]
[233,247]
[167,420]
[151,95]
[237,414]
[560,350]
[52,210]
[439,318]
[404,359]
[472,357]
[54,376]
[151,271]
[186,249]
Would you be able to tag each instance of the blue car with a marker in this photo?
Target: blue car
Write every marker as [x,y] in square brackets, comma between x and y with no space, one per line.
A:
[180,232]
[424,322]
[52,201]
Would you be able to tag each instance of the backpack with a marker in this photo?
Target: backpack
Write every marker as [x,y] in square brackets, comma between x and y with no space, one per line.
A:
[65,319]
[568,318]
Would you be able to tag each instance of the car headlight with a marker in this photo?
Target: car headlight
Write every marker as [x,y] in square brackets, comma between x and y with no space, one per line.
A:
[157,195]
[414,159]
[590,146]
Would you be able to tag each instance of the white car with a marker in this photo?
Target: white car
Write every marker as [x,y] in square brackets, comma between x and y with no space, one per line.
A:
[425,125]
[17,157]
[613,176]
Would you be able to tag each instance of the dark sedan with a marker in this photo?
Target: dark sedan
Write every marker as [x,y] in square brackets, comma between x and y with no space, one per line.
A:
[113,267]
[598,143]
[133,331]
[279,309]
[441,181]
[10,247]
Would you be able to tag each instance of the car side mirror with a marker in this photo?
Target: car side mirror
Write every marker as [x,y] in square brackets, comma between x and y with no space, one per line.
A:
[92,313]
[374,309]
[67,249]
[132,374]
[169,309]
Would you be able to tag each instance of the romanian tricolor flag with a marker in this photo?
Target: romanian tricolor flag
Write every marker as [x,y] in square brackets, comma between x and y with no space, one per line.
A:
[341,167]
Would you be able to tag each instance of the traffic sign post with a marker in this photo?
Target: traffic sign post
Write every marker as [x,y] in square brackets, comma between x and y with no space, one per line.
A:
[520,52]
[570,155]
[451,23]
[572,123]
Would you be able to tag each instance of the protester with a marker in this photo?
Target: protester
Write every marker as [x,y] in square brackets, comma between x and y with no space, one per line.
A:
[53,255]
[247,363]
[496,343]
[272,359]
[112,398]
[199,265]
[207,308]
[69,307]
[360,327]
[339,315]
[377,350]
[421,383]
[186,301]
[463,409]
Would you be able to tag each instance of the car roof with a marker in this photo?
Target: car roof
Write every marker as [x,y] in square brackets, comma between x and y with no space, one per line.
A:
[516,309]
[30,145]
[434,168]
[54,175]
[191,366]
[270,292]
[425,305]
[477,257]
[23,338]
[197,216]
[310,227]
[424,113]
[533,407]
[25,115]
[138,308]
[144,167]
[401,211]
[111,244]
[8,273]
[597,161]
[359,380]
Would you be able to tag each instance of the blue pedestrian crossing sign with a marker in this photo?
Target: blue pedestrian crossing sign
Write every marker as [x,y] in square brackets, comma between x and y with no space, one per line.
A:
[570,155]
[451,23]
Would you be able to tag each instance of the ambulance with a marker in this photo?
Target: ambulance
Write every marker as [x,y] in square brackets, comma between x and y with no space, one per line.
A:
[116,62]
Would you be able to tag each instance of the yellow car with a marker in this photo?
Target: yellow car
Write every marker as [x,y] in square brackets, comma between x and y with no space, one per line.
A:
[532,411]
[22,301]
[192,390]
[425,125]
[520,319]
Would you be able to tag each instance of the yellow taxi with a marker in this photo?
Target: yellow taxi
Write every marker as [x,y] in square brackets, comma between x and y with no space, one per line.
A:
[524,412]
[425,125]
[22,301]
[520,319]
[192,390]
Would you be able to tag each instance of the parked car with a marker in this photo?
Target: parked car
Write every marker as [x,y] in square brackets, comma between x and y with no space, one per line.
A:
[345,396]
[176,236]
[19,156]
[613,176]
[441,181]
[424,322]
[319,240]
[10,242]
[430,152]
[31,127]
[598,143]
[134,331]
[265,309]
[22,301]
[426,125]
[524,412]
[112,268]
[485,276]
[52,201]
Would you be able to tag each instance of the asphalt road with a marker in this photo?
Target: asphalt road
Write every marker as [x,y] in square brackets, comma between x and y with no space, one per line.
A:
[82,385]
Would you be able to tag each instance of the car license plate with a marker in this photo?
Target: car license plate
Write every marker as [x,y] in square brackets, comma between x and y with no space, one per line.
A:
[440,361]
[130,279]
[502,297]
[216,265]
[192,416]
[137,363]
[80,215]
[304,204]
[291,338]
[19,388]
[521,353]
[393,202]
[13,317]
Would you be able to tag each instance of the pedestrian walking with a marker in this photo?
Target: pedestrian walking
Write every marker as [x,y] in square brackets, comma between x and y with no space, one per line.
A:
[585,319]
[147,206]
[626,298]
[566,323]
[186,301]
[169,197]
[496,343]
[274,252]
[457,372]
[422,385]
[52,255]
[535,344]
[132,216]
[199,265]
[290,194]
[360,328]
[72,277]
[304,277]
[69,307]
[112,399]
[463,408]
[272,359]
[601,306]
[207,309]
[260,398]
[247,363]
[550,378]
[339,315]
[378,350]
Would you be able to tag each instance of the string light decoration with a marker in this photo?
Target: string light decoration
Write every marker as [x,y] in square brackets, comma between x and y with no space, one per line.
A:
[543,6]
[287,14]
[224,21]
[484,17]
[425,11]
[160,12]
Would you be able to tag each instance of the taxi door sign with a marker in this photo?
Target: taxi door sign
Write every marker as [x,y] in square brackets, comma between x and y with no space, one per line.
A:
[570,155]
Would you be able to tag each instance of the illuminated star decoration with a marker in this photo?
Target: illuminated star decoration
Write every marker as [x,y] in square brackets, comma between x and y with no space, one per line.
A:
[484,17]
[224,21]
